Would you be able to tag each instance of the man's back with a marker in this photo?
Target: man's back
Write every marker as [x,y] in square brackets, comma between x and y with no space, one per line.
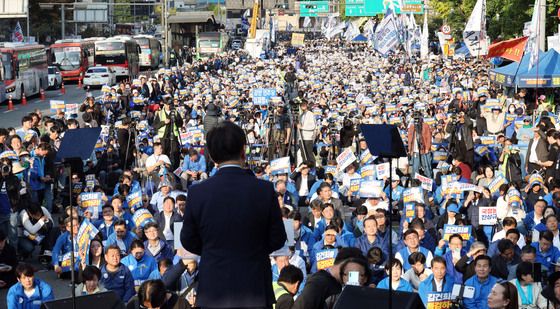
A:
[233,221]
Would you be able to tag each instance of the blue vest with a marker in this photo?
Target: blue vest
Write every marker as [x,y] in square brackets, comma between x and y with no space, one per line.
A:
[404,254]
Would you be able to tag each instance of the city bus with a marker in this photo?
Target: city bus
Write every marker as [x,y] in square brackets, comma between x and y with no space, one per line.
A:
[151,51]
[24,69]
[121,54]
[208,44]
[72,57]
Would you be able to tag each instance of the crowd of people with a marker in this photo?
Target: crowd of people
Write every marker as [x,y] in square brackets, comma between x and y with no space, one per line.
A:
[474,202]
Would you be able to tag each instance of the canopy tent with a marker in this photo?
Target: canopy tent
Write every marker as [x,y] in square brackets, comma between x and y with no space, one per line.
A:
[546,73]
[508,75]
[359,38]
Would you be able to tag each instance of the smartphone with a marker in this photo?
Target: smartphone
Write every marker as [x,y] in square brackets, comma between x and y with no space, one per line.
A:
[353,278]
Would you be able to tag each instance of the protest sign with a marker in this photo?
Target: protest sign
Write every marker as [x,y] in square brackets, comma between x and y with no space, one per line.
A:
[56,105]
[487,140]
[280,166]
[261,96]
[370,188]
[325,258]
[86,233]
[366,157]
[382,170]
[354,186]
[141,217]
[134,200]
[494,186]
[344,159]
[440,156]
[71,109]
[411,195]
[487,215]
[90,181]
[409,211]
[439,300]
[298,39]
[367,171]
[91,202]
[330,169]
[463,230]
[426,182]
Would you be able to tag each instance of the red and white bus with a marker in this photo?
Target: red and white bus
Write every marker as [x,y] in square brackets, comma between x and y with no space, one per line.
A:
[151,51]
[23,68]
[72,57]
[121,54]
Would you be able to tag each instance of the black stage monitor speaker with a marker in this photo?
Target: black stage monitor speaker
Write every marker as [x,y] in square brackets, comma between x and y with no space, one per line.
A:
[356,297]
[105,300]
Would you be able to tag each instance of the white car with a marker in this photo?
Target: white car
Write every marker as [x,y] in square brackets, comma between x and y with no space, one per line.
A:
[99,76]
[55,78]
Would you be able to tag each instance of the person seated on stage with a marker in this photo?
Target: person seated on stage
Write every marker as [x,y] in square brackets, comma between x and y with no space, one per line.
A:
[122,238]
[438,282]
[106,225]
[398,283]
[155,246]
[115,276]
[61,253]
[90,282]
[29,292]
[140,264]
[166,220]
[193,168]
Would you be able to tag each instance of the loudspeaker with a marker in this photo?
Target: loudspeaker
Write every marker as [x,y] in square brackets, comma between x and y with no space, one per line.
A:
[105,300]
[355,297]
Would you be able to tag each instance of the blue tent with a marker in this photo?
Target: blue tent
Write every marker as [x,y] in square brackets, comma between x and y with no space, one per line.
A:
[544,74]
[359,38]
[506,75]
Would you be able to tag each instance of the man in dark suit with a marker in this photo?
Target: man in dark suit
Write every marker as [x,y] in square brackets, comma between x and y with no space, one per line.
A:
[233,221]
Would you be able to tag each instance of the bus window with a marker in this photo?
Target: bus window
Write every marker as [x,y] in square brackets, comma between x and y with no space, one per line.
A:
[8,68]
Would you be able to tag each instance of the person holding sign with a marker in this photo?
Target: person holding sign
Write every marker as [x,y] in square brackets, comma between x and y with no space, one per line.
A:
[61,252]
[438,282]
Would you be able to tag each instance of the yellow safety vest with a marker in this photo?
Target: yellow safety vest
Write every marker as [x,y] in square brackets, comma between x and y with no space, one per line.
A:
[161,131]
[278,291]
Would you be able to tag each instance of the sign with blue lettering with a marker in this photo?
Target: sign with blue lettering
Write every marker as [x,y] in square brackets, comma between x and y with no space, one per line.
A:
[261,96]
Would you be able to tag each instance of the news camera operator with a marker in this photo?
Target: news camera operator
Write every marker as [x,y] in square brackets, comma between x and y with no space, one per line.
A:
[347,134]
[420,146]
[461,144]
[167,123]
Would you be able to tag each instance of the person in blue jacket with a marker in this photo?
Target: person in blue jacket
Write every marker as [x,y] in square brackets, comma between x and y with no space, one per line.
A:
[156,247]
[115,276]
[140,264]
[121,237]
[546,252]
[398,283]
[106,225]
[412,242]
[482,282]
[61,253]
[438,282]
[371,238]
[452,254]
[29,292]
[303,235]
[330,240]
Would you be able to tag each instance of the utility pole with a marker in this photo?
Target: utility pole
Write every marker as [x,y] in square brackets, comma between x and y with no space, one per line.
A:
[166,33]
[542,25]
[63,21]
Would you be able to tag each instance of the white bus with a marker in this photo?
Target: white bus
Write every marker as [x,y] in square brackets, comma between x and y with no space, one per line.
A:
[151,51]
[121,54]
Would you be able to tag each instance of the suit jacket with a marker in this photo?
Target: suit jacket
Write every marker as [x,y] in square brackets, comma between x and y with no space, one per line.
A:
[542,148]
[296,176]
[160,219]
[233,222]
[426,138]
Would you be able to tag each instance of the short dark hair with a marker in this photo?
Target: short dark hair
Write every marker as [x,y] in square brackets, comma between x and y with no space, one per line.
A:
[90,272]
[225,142]
[346,253]
[323,184]
[120,222]
[295,215]
[290,274]
[505,244]
[150,225]
[112,247]
[153,292]
[528,249]
[393,262]
[25,269]
[509,221]
[483,257]
[169,198]
[455,236]
[514,231]
[137,243]
[523,269]
[181,197]
[546,235]
[375,255]
[438,259]
[416,257]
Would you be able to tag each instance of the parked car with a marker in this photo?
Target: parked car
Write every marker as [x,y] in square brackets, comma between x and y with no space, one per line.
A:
[99,76]
[55,78]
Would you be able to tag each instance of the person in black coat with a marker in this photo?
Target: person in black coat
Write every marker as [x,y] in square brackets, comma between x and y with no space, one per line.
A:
[233,222]
[8,257]
[302,177]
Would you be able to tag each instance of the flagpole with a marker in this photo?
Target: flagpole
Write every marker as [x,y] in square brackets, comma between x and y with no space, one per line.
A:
[538,7]
[28,40]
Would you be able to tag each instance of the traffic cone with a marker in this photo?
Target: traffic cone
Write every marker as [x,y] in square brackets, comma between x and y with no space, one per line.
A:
[23,99]
[42,94]
[62,90]
[80,82]
[10,104]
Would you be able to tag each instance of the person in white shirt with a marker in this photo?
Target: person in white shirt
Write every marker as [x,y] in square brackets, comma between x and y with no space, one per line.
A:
[156,162]
[508,224]
[307,126]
